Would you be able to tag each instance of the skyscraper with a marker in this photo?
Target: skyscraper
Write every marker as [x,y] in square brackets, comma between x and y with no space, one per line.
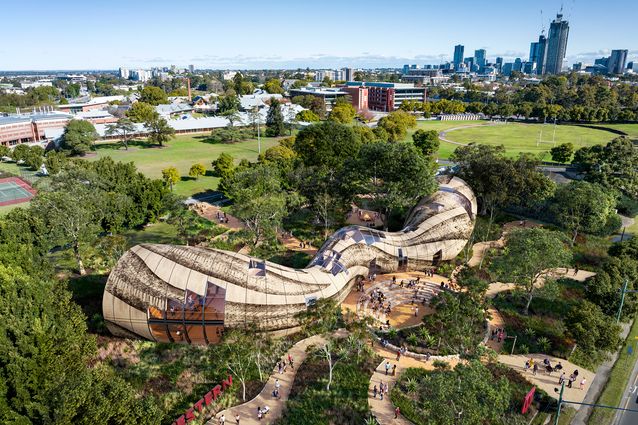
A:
[459,50]
[479,57]
[617,61]
[533,51]
[556,45]
[538,53]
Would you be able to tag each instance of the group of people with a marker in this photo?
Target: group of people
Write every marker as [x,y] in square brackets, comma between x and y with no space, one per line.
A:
[498,334]
[222,419]
[383,389]
[304,245]
[262,412]
[389,367]
[532,365]
[221,217]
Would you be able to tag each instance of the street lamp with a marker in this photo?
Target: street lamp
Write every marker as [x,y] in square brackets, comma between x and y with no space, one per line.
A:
[561,401]
[514,343]
[623,291]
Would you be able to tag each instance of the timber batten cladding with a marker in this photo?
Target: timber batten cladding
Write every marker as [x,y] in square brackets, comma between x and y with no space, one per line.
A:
[190,294]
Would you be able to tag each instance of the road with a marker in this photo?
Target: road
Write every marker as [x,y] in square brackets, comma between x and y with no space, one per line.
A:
[630,399]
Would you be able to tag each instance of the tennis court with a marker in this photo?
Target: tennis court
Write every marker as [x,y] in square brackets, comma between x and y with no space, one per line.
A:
[14,190]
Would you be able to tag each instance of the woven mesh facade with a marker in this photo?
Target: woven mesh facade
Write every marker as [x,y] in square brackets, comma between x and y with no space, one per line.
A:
[190,294]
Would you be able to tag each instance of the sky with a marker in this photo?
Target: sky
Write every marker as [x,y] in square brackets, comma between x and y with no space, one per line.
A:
[248,34]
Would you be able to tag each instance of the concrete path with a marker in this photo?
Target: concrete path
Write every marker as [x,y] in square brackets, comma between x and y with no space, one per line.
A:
[294,244]
[548,382]
[403,300]
[248,411]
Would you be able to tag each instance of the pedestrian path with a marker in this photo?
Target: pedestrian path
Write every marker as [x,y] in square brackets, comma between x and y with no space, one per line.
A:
[547,382]
[294,244]
[248,411]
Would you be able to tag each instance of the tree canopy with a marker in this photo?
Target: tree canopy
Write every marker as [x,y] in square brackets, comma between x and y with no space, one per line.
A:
[583,207]
[78,137]
[395,175]
[528,256]
[153,96]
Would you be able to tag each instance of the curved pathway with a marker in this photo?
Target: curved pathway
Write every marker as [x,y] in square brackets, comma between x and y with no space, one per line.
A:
[248,411]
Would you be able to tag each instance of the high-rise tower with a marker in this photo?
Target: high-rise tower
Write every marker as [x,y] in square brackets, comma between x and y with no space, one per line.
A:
[556,45]
[459,50]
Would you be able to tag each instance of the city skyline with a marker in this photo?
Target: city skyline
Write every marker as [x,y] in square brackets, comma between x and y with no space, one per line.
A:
[132,35]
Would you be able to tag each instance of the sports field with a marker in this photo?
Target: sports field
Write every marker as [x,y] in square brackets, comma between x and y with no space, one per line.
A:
[181,153]
[519,137]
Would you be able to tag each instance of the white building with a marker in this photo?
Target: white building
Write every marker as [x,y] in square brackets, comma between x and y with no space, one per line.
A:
[124,73]
[140,75]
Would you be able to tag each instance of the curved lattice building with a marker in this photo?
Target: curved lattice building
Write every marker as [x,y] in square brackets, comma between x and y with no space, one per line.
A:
[190,294]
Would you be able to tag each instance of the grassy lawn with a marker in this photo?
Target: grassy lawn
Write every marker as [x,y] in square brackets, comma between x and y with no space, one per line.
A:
[630,129]
[518,137]
[182,152]
[612,395]
[159,232]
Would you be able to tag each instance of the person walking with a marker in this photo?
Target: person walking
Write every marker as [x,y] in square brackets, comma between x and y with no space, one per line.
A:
[374,392]
[237,418]
[387,367]
[535,369]
[561,379]
[397,412]
[582,383]
[277,386]
[394,370]
[398,355]
[381,387]
[222,419]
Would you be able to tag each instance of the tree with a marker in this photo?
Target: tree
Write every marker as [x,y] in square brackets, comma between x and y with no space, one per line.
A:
[615,165]
[326,144]
[275,119]
[394,175]
[142,112]
[239,361]
[124,128]
[396,124]
[223,165]
[458,321]
[307,116]
[259,201]
[153,96]
[4,151]
[159,130]
[562,153]
[78,137]
[273,86]
[71,217]
[343,113]
[327,351]
[228,103]
[498,181]
[20,152]
[197,170]
[33,157]
[170,176]
[45,356]
[528,257]
[469,394]
[427,141]
[583,207]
